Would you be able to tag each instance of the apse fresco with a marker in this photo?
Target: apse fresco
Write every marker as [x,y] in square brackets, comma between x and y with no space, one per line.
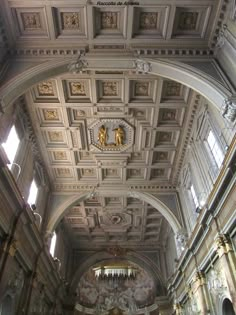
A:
[139,291]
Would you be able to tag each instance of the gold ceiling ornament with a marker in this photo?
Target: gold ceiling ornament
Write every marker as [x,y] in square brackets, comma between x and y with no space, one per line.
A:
[110,134]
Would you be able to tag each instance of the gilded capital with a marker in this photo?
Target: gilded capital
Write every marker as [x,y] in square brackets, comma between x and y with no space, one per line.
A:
[200,278]
[223,244]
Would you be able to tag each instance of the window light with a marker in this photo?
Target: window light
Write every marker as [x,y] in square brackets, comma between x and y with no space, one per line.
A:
[53,244]
[11,144]
[33,193]
[215,149]
[194,196]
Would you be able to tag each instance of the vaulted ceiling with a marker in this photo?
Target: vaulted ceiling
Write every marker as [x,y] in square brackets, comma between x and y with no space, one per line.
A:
[155,114]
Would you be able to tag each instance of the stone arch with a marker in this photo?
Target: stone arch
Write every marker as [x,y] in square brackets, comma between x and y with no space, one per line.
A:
[188,75]
[131,256]
[221,304]
[60,211]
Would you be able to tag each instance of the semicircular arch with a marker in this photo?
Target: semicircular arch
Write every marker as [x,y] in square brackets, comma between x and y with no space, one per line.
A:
[132,256]
[60,211]
[186,74]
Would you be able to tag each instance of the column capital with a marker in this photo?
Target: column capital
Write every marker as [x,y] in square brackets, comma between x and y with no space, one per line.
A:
[223,244]
[200,278]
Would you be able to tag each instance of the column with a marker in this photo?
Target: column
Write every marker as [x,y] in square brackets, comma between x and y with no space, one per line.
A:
[227,263]
[202,296]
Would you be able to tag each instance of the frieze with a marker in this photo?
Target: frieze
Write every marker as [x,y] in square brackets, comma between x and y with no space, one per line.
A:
[110,135]
[198,52]
[75,187]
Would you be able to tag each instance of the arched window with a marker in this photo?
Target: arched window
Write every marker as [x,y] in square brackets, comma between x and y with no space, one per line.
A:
[33,192]
[7,306]
[11,145]
[227,307]
[53,244]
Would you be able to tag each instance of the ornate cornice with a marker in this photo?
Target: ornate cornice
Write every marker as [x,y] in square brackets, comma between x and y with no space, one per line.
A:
[28,126]
[70,187]
[143,51]
[219,24]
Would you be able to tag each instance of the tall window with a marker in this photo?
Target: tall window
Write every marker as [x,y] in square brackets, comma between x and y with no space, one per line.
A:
[11,144]
[215,149]
[194,196]
[33,192]
[53,244]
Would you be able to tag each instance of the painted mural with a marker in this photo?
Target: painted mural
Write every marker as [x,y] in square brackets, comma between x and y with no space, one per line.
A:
[124,294]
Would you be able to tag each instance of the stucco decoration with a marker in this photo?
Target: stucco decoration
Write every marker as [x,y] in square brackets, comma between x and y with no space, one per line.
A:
[77,66]
[142,66]
[228,109]
[139,292]
[110,135]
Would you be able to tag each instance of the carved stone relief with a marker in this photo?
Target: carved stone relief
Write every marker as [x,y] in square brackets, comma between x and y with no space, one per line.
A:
[171,88]
[77,88]
[228,109]
[63,172]
[109,20]
[142,66]
[163,137]
[158,172]
[160,156]
[79,113]
[187,21]
[60,155]
[46,88]
[31,21]
[110,88]
[70,20]
[148,20]
[50,114]
[55,136]
[168,114]
[141,89]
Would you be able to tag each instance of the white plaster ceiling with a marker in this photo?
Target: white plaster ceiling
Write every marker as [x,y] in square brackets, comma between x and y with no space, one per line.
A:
[67,111]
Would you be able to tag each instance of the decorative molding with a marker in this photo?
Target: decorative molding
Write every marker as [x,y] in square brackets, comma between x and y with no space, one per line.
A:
[78,65]
[188,136]
[75,187]
[181,240]
[221,38]
[142,66]
[222,15]
[228,109]
[160,52]
[111,135]
[26,121]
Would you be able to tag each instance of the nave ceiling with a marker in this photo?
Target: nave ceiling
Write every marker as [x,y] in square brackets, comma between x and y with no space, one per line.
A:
[155,114]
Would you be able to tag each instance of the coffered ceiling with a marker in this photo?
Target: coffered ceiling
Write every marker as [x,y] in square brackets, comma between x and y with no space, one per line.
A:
[155,115]
[70,112]
[169,24]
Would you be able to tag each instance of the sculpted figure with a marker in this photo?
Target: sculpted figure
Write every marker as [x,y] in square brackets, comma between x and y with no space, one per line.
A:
[102,135]
[119,135]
